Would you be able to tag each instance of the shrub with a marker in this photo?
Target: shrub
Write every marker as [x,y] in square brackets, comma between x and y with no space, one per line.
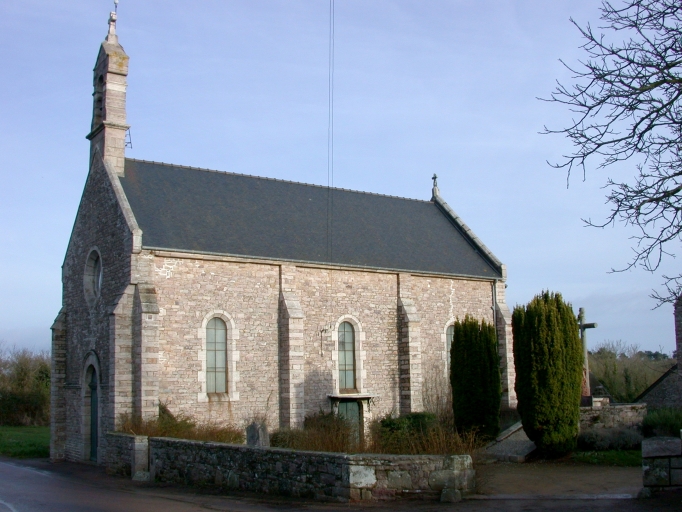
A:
[397,435]
[549,360]
[625,371]
[24,387]
[413,434]
[420,434]
[323,432]
[603,439]
[475,377]
[662,422]
[180,426]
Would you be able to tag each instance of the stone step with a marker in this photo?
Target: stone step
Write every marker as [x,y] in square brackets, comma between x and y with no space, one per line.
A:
[512,445]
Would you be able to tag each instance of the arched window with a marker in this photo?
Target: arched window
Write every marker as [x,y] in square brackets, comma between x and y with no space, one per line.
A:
[92,278]
[346,358]
[216,356]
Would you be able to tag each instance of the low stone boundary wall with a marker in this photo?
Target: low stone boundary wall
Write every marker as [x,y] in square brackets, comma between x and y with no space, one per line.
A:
[325,476]
[128,455]
[119,457]
[662,462]
[612,416]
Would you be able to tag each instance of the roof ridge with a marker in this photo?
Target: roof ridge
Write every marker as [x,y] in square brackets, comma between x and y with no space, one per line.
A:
[276,179]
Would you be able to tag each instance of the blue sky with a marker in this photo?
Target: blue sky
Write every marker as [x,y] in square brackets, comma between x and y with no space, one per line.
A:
[443,86]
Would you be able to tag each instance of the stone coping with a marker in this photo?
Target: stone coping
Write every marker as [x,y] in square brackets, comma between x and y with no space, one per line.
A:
[349,456]
[653,447]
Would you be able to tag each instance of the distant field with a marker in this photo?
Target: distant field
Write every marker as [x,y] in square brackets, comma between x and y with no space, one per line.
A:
[25,442]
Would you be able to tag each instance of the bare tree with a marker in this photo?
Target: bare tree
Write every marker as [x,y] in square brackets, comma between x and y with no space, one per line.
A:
[625,97]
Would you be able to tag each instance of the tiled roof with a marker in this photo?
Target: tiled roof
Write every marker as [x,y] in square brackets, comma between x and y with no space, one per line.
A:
[196,210]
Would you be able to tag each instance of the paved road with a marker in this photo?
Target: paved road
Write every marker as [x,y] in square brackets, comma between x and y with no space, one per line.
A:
[28,486]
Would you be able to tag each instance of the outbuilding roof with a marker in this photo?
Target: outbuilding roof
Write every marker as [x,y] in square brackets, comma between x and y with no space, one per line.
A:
[196,210]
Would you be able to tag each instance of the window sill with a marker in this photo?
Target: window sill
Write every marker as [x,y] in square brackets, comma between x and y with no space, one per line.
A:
[221,397]
[352,396]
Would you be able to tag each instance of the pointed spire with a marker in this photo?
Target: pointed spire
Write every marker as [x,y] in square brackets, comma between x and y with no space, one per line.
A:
[111,36]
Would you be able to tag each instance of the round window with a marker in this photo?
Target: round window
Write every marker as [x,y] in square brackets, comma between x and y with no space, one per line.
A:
[92,280]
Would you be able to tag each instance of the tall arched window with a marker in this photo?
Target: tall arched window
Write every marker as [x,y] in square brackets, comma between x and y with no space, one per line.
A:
[216,356]
[346,358]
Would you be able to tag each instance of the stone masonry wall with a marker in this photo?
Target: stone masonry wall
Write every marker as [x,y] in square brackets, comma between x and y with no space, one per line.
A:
[119,458]
[662,463]
[610,416]
[100,224]
[190,290]
[440,302]
[368,300]
[326,476]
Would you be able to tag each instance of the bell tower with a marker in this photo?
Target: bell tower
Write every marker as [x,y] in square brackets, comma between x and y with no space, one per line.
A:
[108,130]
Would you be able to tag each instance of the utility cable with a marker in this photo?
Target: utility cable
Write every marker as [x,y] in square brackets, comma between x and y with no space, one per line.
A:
[330,137]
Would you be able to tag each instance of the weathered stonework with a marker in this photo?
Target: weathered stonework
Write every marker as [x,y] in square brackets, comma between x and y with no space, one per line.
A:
[137,337]
[662,462]
[613,416]
[120,454]
[325,476]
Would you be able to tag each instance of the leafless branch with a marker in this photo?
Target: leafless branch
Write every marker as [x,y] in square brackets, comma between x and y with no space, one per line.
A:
[626,98]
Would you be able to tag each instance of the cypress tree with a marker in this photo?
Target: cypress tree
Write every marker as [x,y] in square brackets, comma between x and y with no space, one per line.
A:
[475,377]
[548,357]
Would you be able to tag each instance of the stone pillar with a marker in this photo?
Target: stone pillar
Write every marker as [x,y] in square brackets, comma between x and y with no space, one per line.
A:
[121,381]
[291,352]
[505,340]
[57,391]
[146,352]
[409,350]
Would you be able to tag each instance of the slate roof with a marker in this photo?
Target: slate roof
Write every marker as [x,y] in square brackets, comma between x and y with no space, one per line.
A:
[196,210]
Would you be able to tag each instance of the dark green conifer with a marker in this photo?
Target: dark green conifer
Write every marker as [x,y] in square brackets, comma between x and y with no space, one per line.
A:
[548,358]
[475,377]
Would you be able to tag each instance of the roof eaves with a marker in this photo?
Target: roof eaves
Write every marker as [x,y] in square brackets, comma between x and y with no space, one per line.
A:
[322,263]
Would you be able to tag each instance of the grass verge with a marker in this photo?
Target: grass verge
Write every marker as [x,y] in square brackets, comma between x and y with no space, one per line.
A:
[623,458]
[25,442]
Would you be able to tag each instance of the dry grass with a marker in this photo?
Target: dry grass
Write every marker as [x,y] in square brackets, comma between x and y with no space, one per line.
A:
[437,395]
[181,427]
[325,432]
[429,433]
[322,432]
[437,438]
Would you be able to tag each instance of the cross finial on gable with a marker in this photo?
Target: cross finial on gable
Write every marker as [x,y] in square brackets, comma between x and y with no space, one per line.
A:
[435,192]
[111,36]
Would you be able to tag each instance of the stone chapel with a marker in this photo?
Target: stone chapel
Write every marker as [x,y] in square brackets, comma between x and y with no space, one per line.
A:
[225,296]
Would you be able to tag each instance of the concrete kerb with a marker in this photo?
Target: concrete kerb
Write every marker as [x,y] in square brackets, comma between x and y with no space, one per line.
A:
[562,497]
